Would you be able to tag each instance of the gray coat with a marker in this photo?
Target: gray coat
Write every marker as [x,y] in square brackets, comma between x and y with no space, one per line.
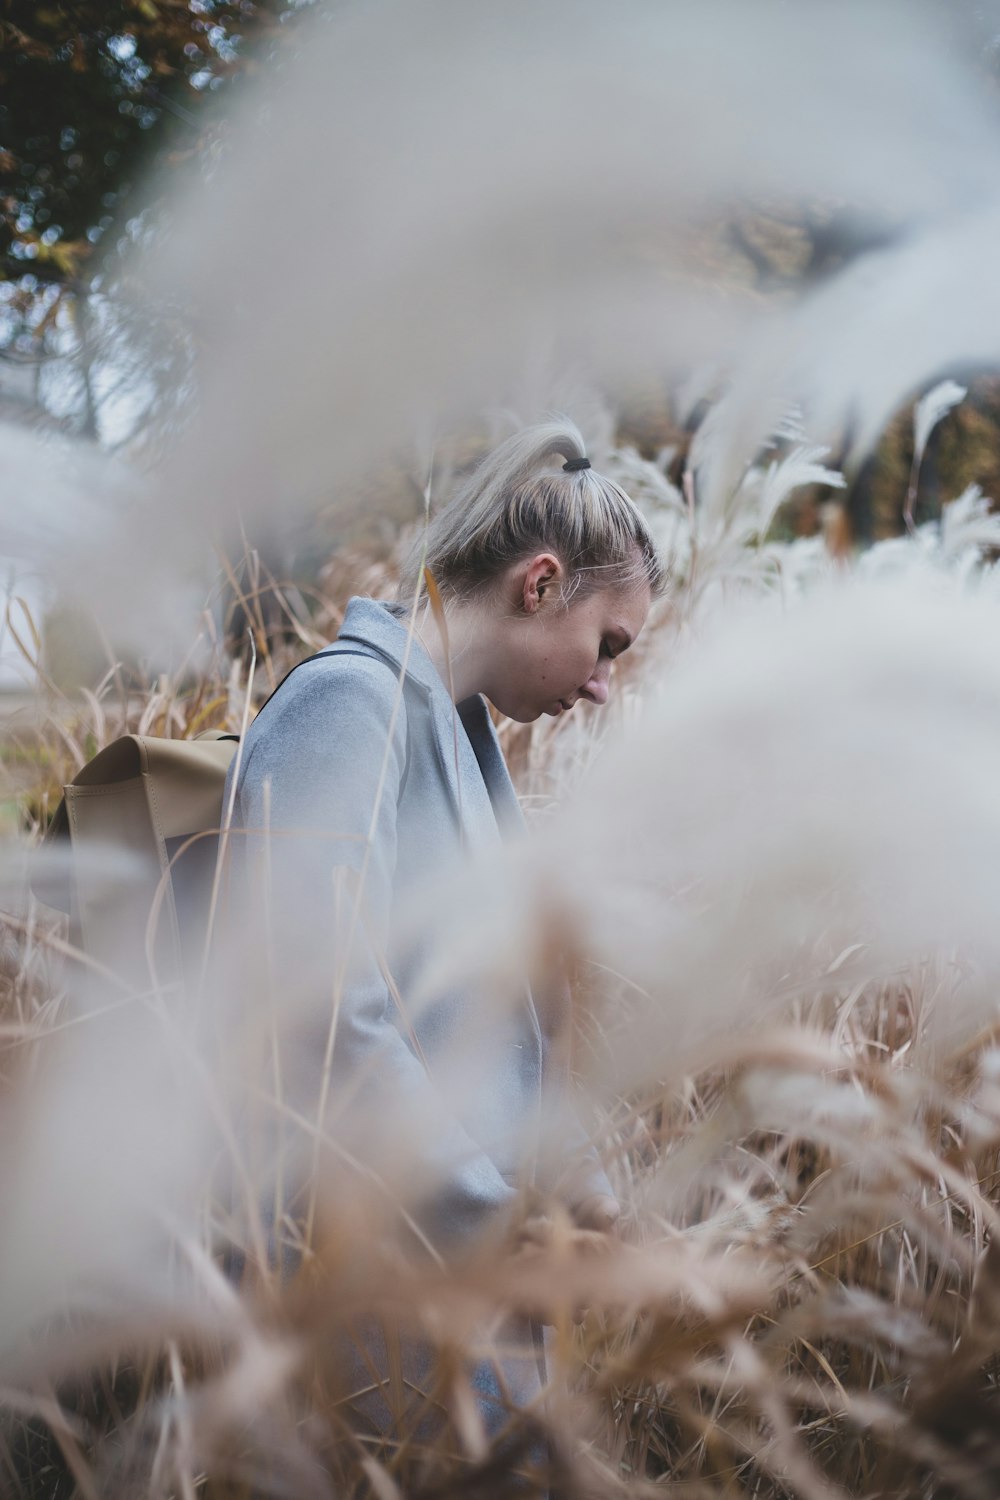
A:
[311,771]
[312,763]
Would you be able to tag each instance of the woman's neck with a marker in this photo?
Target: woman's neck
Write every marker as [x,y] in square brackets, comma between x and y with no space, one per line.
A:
[457,651]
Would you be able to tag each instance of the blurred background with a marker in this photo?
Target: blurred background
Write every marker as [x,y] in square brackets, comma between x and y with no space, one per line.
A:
[273,277]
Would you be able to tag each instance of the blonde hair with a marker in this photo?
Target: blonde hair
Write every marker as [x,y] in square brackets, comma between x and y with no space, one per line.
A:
[519,501]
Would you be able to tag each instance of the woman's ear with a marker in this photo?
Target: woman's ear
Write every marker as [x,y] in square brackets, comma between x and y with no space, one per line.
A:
[540,578]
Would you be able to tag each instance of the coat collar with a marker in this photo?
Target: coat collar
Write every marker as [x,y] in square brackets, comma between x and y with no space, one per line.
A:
[373,622]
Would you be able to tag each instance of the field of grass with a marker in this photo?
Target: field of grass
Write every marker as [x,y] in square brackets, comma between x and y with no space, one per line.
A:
[804,1296]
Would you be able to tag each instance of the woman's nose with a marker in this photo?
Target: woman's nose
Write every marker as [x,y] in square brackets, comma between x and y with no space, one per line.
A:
[595,689]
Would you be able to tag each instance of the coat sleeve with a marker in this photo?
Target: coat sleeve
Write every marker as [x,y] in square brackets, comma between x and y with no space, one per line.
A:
[317,776]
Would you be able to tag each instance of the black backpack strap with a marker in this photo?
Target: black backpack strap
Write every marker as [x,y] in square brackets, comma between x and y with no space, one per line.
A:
[366,649]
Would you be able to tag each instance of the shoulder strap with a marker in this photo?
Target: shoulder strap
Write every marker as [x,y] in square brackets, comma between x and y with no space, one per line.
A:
[366,649]
[372,651]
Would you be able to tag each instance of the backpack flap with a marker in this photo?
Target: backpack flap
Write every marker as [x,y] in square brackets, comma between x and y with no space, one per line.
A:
[118,862]
[144,801]
[185,780]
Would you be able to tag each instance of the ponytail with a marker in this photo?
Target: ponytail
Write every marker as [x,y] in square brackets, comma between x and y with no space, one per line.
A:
[521,500]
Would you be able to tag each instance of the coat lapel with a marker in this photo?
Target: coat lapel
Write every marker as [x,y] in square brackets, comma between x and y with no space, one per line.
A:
[483,739]
[471,794]
[468,758]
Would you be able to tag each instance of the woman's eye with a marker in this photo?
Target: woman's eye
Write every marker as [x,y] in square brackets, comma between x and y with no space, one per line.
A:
[606,650]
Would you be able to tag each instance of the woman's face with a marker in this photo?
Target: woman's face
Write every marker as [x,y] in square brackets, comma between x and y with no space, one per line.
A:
[550,655]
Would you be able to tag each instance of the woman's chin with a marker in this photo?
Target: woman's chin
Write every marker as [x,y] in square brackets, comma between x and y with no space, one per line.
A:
[525,713]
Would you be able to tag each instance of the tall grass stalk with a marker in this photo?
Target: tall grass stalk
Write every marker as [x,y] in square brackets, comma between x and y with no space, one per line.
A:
[804,1299]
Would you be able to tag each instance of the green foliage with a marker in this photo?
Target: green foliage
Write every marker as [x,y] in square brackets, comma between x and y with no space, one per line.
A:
[95,93]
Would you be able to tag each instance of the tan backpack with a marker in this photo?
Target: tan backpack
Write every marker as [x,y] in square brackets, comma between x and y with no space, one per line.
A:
[142,823]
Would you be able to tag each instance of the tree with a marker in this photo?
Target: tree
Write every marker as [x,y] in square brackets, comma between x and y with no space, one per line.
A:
[95,96]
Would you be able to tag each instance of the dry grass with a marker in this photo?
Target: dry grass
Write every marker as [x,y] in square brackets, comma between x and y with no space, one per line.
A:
[804,1300]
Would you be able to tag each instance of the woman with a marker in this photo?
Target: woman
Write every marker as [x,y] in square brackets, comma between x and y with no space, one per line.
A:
[378,763]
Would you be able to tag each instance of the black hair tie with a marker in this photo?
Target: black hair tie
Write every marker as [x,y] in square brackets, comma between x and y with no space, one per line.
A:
[572,464]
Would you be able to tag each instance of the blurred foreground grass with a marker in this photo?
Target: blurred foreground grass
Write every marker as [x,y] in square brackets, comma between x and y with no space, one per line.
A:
[805,1298]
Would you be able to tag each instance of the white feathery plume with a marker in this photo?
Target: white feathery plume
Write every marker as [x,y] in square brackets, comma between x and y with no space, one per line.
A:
[929,410]
[306,382]
[777,805]
[969,524]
